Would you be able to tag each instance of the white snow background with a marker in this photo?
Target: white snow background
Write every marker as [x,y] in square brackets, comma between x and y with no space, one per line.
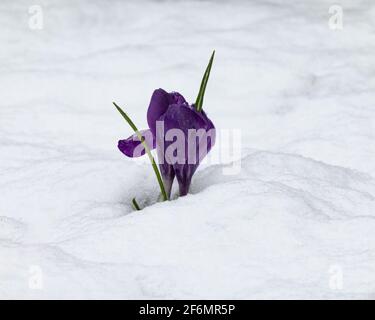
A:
[298,220]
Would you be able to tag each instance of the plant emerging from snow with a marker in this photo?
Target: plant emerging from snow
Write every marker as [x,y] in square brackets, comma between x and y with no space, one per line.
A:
[181,133]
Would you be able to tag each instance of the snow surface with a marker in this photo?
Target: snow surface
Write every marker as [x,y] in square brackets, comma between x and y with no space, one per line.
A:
[297,221]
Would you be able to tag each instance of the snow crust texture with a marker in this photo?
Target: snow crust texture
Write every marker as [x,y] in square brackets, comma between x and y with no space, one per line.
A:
[298,219]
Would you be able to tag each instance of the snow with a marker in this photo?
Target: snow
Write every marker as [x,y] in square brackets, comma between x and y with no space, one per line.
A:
[297,221]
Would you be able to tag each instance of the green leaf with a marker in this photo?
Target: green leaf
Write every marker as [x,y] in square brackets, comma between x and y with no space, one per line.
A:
[202,89]
[135,204]
[147,149]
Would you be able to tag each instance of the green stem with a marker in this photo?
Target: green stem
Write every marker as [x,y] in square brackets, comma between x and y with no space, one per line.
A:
[135,204]
[202,89]
[147,149]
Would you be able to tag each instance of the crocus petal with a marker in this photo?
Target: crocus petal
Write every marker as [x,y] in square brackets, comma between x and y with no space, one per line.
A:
[176,98]
[168,174]
[211,129]
[160,101]
[184,174]
[132,146]
[185,118]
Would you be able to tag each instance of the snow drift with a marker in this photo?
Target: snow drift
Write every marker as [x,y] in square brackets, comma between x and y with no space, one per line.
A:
[297,221]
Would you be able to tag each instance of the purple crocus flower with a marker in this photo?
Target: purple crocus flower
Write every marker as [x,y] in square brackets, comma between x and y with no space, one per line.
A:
[181,134]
